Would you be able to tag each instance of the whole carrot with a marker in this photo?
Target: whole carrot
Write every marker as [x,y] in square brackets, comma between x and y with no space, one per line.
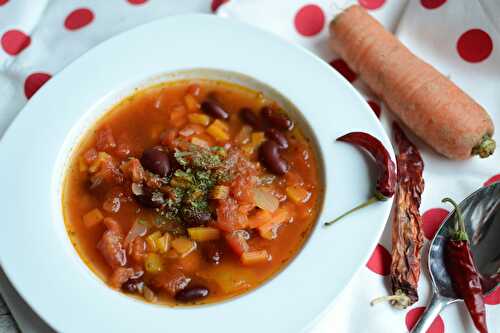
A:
[427,102]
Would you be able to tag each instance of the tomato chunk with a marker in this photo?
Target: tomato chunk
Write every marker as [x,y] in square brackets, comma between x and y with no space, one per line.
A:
[237,241]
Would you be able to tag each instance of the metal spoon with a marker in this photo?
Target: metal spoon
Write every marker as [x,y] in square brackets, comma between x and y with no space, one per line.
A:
[481,212]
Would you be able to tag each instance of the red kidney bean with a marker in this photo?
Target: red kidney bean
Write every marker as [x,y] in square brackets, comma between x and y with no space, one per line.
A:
[278,137]
[249,117]
[150,198]
[156,160]
[269,154]
[191,294]
[213,109]
[132,285]
[276,120]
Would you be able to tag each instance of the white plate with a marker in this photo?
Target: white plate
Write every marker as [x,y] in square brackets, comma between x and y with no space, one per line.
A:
[36,253]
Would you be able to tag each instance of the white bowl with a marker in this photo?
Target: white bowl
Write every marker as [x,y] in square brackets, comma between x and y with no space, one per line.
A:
[35,251]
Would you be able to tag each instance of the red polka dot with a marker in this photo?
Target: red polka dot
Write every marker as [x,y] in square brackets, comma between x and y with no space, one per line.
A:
[380,261]
[3,2]
[371,4]
[432,4]
[216,4]
[309,20]
[493,298]
[34,82]
[78,18]
[375,107]
[14,41]
[474,45]
[414,314]
[494,179]
[137,2]
[341,67]
[432,220]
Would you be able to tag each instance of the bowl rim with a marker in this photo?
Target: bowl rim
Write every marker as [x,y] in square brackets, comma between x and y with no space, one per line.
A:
[21,263]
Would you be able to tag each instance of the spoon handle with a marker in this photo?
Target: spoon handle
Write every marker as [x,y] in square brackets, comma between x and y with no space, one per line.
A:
[436,305]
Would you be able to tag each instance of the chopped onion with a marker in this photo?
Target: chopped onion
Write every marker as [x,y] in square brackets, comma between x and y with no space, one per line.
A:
[149,295]
[137,189]
[265,200]
[139,229]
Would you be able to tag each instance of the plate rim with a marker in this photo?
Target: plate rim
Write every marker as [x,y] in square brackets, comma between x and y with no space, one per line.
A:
[45,94]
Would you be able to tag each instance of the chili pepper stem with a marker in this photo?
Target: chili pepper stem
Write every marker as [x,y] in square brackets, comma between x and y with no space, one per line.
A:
[371,200]
[459,232]
[399,300]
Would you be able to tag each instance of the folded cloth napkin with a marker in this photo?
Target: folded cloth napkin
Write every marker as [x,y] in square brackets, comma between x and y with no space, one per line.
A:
[460,38]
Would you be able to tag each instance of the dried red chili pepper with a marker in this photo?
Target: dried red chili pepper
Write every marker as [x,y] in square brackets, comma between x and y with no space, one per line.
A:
[386,182]
[465,279]
[407,238]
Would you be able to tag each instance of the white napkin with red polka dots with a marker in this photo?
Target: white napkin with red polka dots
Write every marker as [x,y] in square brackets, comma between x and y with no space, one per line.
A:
[460,38]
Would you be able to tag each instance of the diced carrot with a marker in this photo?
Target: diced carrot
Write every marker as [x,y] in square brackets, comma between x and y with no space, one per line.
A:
[178,116]
[218,130]
[203,234]
[297,194]
[163,243]
[237,242]
[168,136]
[183,246]
[257,138]
[190,263]
[270,229]
[92,218]
[194,89]
[105,139]
[191,103]
[199,118]
[153,263]
[255,257]
[261,217]
[151,240]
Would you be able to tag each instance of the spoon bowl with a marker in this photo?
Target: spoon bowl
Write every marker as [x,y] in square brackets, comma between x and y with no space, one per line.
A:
[481,213]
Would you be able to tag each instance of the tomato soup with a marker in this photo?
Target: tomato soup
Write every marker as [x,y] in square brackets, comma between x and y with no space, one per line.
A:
[191,192]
